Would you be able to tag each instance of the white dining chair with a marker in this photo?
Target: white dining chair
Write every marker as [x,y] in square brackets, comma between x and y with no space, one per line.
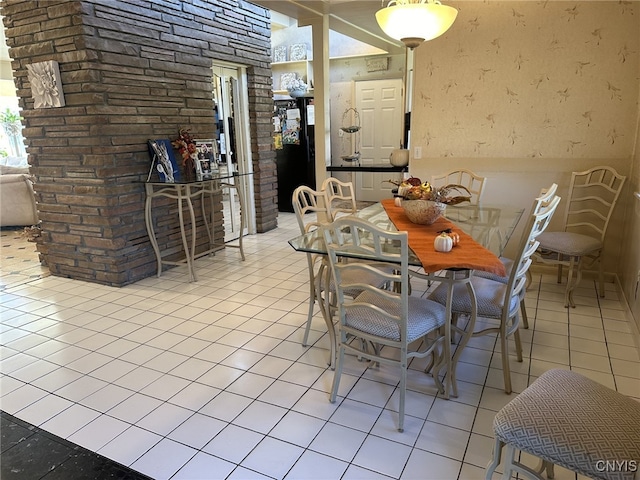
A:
[339,197]
[311,213]
[498,301]
[592,197]
[473,182]
[486,223]
[381,325]
[546,195]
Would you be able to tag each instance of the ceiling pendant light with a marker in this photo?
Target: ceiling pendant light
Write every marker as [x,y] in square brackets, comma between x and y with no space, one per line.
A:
[415,21]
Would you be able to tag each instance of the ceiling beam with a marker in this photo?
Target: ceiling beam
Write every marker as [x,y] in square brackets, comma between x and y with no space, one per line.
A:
[355,19]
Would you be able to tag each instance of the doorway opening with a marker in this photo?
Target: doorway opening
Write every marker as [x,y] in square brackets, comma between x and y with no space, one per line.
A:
[381,107]
[231,110]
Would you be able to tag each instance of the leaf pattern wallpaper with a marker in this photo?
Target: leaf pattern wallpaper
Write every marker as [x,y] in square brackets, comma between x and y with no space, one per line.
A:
[524,79]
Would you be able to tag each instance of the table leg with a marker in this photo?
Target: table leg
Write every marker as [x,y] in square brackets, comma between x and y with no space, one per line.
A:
[465,337]
[185,244]
[192,251]
[449,362]
[204,217]
[151,232]
[447,344]
[240,191]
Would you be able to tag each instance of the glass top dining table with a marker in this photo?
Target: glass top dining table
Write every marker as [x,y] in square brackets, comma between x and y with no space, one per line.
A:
[491,225]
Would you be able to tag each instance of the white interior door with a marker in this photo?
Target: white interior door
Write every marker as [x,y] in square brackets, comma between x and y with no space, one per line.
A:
[380,104]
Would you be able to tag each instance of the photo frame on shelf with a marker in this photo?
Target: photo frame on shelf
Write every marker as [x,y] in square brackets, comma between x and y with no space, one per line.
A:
[297,52]
[207,156]
[203,169]
[280,53]
[163,160]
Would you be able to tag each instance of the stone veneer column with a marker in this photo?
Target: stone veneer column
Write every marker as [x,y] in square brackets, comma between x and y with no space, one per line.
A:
[130,71]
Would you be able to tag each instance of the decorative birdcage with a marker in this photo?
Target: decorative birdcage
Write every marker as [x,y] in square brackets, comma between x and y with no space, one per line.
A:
[351,141]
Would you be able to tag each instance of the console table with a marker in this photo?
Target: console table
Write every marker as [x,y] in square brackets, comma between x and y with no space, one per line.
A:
[185,193]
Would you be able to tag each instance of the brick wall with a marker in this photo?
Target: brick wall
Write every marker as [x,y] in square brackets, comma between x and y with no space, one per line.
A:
[130,71]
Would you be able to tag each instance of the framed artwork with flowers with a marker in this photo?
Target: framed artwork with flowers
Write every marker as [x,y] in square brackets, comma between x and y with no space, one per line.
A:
[163,161]
[46,87]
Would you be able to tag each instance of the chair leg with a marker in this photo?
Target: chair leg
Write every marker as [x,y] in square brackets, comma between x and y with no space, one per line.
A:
[600,276]
[337,373]
[544,466]
[529,280]
[523,308]
[331,329]
[312,302]
[571,283]
[495,461]
[525,318]
[516,337]
[509,460]
[403,389]
[504,344]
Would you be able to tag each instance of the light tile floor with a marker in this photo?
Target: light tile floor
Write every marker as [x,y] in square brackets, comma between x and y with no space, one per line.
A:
[208,380]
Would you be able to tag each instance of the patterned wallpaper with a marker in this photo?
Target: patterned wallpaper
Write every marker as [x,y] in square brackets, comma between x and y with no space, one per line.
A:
[530,79]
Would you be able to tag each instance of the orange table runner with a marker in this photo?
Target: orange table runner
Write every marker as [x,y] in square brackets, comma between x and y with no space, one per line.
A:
[467,254]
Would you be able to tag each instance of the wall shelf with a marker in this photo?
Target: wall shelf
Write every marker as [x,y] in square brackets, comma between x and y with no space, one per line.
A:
[302,68]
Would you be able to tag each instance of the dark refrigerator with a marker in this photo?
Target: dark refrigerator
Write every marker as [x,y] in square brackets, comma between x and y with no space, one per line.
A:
[294,122]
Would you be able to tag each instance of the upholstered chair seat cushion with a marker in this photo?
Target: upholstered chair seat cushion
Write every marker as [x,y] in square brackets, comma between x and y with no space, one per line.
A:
[424,316]
[508,264]
[572,421]
[569,243]
[489,294]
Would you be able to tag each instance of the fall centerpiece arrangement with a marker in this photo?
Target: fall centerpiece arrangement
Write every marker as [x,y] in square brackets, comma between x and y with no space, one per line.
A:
[423,203]
[186,146]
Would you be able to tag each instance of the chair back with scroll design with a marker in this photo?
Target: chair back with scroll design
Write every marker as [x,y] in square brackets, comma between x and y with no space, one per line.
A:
[378,324]
[592,197]
[498,300]
[474,183]
[311,213]
[546,195]
[339,197]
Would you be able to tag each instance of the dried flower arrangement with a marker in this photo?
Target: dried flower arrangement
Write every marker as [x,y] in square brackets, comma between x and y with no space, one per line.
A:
[414,189]
[186,146]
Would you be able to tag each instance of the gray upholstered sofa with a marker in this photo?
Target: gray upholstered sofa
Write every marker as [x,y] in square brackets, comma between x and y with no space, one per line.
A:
[17,200]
